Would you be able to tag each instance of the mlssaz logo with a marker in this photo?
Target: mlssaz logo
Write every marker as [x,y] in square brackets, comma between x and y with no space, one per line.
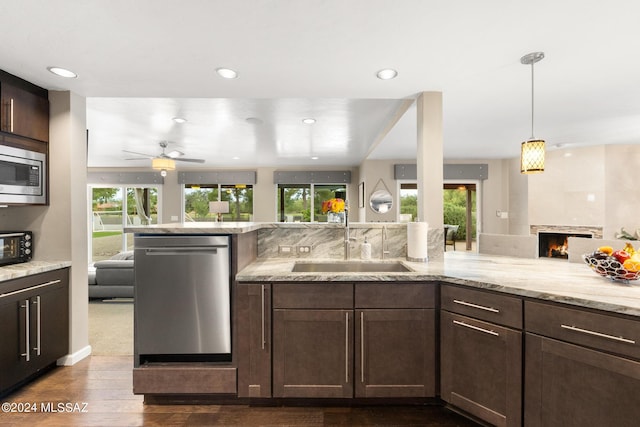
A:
[64,407]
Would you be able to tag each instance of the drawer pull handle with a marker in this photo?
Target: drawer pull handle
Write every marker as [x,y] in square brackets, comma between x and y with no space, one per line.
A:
[480,307]
[346,347]
[362,346]
[598,334]
[27,331]
[263,339]
[476,328]
[30,288]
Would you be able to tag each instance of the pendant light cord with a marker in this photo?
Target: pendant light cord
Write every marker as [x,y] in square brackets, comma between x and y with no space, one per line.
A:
[532,137]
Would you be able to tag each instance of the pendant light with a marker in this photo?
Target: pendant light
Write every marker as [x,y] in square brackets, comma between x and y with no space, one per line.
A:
[532,151]
[163,164]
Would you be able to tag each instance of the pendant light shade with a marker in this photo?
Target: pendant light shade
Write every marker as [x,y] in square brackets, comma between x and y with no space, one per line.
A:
[532,156]
[532,150]
[163,164]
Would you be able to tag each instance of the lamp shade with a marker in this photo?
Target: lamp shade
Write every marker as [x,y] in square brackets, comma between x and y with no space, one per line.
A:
[163,163]
[219,207]
[532,156]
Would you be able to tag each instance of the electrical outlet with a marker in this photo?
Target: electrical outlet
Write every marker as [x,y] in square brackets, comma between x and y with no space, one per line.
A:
[285,249]
[304,249]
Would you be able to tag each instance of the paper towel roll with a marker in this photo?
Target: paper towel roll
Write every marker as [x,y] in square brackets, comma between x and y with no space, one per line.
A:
[417,235]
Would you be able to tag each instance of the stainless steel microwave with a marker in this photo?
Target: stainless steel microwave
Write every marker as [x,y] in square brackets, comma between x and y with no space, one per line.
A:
[23,176]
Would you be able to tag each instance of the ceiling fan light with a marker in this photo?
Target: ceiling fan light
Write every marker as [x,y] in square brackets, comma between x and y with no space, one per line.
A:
[161,163]
[532,156]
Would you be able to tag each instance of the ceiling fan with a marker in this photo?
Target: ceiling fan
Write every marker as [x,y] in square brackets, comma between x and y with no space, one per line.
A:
[164,161]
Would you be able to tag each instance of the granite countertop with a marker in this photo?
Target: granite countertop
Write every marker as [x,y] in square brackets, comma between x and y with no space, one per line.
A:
[552,280]
[244,227]
[15,271]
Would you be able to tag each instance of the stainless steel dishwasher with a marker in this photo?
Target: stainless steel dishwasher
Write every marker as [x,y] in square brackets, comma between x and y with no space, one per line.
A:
[182,306]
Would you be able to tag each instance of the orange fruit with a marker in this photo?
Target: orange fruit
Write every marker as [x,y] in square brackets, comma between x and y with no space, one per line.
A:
[631,265]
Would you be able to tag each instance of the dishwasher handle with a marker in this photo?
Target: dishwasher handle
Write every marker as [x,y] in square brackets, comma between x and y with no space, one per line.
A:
[191,250]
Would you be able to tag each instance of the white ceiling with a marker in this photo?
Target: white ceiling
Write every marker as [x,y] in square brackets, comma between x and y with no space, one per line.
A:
[142,62]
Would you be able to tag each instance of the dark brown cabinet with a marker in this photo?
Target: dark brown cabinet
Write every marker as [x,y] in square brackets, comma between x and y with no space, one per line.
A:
[253,303]
[313,340]
[34,325]
[364,340]
[395,340]
[313,353]
[568,385]
[584,371]
[480,361]
[24,112]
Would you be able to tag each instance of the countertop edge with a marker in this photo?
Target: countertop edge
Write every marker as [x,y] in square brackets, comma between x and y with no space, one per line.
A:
[254,274]
[16,271]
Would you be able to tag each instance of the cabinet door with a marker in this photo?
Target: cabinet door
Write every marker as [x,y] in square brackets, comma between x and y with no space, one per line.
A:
[253,326]
[24,113]
[14,321]
[312,353]
[568,385]
[49,324]
[481,369]
[395,353]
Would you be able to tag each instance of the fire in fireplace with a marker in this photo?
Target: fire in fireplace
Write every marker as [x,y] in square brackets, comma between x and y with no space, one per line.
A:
[555,245]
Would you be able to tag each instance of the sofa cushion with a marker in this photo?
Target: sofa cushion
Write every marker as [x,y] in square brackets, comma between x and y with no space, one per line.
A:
[114,272]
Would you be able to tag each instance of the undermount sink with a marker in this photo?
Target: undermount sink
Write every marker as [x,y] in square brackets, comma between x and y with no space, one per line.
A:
[349,267]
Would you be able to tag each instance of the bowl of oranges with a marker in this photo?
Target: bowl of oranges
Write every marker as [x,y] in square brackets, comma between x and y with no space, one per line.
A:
[621,265]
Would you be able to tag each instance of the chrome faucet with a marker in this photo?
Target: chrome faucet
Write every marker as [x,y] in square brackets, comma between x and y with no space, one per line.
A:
[347,237]
[384,239]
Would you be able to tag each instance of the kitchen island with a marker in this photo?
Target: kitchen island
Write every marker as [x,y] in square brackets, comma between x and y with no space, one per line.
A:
[505,340]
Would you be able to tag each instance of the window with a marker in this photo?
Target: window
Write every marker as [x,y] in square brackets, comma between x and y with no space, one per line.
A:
[408,202]
[197,198]
[111,212]
[295,203]
[240,198]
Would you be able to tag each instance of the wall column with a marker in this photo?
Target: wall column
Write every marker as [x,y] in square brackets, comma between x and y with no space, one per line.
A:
[430,167]
[64,226]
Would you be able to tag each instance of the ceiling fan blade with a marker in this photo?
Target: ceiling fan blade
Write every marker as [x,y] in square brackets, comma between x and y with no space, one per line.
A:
[137,158]
[189,160]
[148,156]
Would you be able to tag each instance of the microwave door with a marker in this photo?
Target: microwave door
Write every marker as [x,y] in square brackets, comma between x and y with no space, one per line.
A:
[21,180]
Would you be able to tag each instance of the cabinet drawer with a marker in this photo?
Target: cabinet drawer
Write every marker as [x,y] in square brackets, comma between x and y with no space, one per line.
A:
[482,305]
[395,295]
[313,295]
[601,331]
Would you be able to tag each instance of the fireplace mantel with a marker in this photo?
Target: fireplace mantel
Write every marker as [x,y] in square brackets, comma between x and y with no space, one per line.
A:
[595,232]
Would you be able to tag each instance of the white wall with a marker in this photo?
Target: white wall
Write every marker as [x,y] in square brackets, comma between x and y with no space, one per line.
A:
[571,189]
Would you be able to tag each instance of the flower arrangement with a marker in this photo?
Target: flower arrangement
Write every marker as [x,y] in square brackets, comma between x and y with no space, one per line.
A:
[333,205]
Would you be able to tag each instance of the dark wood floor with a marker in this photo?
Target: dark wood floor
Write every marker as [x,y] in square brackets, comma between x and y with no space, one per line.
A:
[103,383]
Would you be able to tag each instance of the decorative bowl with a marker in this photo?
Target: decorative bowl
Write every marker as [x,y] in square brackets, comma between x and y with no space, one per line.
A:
[610,267]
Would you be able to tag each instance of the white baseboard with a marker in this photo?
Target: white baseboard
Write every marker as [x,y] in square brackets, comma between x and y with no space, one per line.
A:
[72,359]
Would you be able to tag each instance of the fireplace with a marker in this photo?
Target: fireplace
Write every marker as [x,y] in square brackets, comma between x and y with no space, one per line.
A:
[555,244]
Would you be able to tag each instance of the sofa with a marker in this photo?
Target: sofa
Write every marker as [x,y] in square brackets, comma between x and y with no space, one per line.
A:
[112,278]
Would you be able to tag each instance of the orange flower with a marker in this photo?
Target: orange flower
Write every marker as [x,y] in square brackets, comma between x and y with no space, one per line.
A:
[333,205]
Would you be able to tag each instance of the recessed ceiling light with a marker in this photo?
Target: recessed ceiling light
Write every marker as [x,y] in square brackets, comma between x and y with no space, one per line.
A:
[315,158]
[227,73]
[236,158]
[309,121]
[62,72]
[387,74]
[179,120]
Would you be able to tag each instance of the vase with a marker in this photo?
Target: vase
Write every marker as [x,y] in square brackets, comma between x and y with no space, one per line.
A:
[335,217]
